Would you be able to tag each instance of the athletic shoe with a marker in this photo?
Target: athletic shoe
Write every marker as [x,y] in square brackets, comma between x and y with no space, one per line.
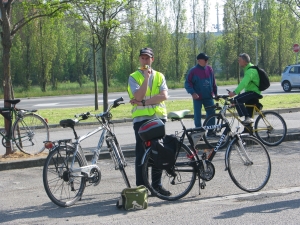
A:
[247,121]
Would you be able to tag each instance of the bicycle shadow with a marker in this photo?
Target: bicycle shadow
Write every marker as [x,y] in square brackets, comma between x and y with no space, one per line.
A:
[50,210]
[83,208]
[270,208]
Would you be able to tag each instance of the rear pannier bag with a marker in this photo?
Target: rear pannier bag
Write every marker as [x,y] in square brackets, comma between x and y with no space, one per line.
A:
[163,151]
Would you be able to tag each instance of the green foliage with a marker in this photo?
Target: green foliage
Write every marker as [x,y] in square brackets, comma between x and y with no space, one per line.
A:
[50,51]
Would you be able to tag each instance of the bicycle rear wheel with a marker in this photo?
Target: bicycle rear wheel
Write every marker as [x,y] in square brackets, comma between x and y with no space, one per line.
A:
[63,187]
[178,186]
[270,129]
[213,139]
[250,170]
[29,133]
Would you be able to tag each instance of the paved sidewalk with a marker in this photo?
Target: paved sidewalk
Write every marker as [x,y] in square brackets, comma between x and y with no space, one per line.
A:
[124,132]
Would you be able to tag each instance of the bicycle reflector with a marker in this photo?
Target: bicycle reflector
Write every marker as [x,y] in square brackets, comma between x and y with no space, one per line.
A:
[148,143]
[48,144]
[46,120]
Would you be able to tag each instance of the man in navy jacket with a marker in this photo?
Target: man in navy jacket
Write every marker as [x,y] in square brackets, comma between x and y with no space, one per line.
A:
[200,83]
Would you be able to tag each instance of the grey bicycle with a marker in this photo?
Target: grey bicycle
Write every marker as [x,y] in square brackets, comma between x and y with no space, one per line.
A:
[66,170]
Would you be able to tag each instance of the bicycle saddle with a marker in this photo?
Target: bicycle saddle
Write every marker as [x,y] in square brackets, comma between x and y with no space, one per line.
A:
[14,101]
[67,123]
[178,114]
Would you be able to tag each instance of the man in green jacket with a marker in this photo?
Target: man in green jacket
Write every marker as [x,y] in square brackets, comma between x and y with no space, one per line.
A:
[250,83]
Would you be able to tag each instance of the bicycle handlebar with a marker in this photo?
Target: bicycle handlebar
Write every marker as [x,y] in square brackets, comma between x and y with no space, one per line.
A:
[115,104]
[221,96]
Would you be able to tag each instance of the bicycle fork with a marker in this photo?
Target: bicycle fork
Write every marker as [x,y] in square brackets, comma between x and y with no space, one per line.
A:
[242,152]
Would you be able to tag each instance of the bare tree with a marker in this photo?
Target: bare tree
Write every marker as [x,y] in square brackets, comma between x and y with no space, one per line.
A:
[104,16]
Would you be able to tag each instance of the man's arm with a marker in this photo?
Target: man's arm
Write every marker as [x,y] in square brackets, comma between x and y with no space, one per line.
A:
[162,96]
[188,84]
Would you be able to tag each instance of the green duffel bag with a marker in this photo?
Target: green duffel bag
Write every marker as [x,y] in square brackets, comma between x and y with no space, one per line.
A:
[134,198]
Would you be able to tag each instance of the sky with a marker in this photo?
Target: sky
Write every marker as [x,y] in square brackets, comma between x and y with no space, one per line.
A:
[212,18]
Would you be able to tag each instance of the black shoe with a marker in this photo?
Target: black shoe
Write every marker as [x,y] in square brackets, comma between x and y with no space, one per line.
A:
[162,191]
[245,131]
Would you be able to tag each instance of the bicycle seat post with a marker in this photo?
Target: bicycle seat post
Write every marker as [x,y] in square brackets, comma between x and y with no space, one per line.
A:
[75,134]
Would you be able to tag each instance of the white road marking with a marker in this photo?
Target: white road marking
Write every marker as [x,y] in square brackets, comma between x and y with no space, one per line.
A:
[47,104]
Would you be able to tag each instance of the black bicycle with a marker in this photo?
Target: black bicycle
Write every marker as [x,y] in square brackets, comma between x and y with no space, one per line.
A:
[26,129]
[246,159]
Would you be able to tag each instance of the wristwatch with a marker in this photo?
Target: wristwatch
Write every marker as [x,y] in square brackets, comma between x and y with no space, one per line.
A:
[143,102]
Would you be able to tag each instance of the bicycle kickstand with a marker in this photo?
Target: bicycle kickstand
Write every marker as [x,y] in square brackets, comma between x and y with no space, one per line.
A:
[201,184]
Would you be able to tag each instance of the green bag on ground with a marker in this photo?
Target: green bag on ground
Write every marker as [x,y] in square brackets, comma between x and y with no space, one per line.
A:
[134,198]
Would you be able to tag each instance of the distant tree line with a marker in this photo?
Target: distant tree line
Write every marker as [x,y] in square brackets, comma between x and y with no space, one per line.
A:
[69,48]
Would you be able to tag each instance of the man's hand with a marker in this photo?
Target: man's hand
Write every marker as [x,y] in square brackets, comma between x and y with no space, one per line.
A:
[195,96]
[147,72]
[134,101]
[231,93]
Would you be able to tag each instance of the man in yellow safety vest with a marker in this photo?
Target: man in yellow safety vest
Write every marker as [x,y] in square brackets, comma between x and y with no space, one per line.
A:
[147,90]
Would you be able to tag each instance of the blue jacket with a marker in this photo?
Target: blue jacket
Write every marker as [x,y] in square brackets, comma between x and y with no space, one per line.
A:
[201,80]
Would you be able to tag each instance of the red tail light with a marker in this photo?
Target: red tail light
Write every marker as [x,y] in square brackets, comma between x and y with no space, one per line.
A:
[48,145]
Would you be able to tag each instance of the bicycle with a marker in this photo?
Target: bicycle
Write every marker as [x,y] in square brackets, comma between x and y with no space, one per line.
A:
[246,160]
[66,170]
[28,131]
[269,127]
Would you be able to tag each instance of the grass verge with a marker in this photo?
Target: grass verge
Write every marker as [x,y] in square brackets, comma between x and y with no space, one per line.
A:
[124,111]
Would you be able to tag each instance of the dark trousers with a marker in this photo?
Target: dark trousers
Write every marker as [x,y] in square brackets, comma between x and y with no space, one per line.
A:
[246,97]
[139,153]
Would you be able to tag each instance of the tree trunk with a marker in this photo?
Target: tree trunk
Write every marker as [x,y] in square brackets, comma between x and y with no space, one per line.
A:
[6,43]
[105,75]
[95,75]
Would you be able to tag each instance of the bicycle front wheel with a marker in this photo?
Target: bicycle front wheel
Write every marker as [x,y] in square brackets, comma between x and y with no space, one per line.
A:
[212,136]
[62,186]
[249,166]
[176,185]
[270,128]
[29,133]
[119,159]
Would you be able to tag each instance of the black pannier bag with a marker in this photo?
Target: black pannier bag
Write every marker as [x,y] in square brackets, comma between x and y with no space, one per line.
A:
[163,151]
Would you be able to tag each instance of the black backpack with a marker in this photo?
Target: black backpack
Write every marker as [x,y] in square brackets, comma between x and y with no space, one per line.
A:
[264,82]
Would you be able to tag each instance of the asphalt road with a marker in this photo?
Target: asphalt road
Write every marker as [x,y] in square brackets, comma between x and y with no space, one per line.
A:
[88,99]
[24,201]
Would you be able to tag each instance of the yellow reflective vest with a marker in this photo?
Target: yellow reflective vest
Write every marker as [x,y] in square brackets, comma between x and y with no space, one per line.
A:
[148,110]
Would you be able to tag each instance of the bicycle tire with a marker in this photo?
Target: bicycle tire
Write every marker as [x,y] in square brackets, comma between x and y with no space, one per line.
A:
[120,160]
[271,135]
[186,175]
[212,142]
[29,133]
[62,188]
[253,175]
